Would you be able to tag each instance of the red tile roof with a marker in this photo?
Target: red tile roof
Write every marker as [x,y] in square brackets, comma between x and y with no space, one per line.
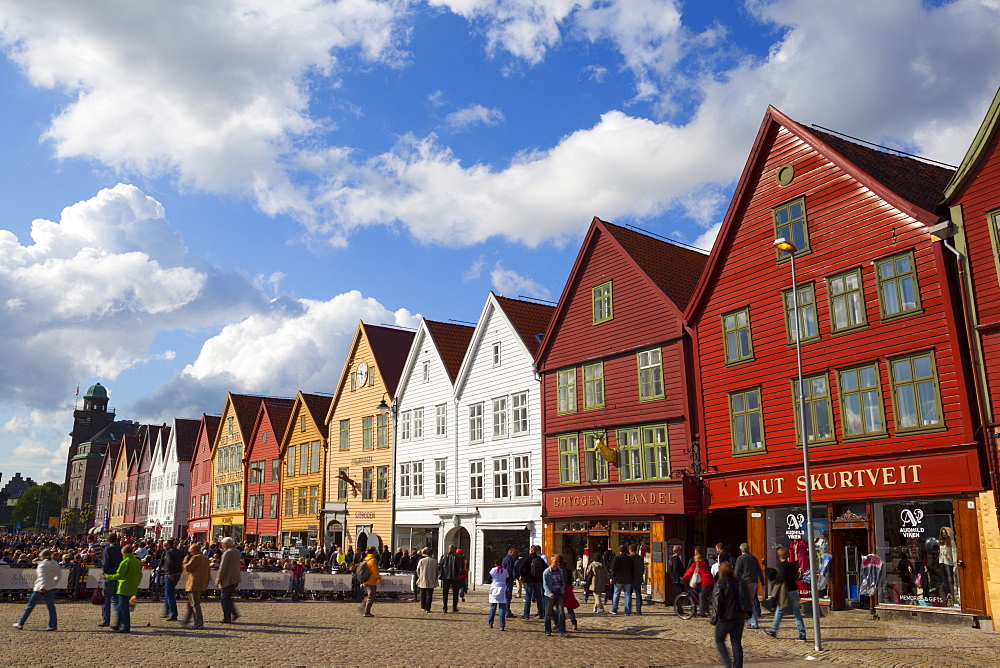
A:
[279,414]
[530,319]
[452,341]
[185,437]
[318,405]
[673,268]
[390,346]
[246,407]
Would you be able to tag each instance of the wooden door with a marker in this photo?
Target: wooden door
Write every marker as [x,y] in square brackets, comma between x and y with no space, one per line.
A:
[972,586]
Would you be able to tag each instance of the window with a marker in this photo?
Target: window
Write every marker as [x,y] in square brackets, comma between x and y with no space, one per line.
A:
[476,480]
[496,354]
[519,413]
[501,478]
[366,484]
[345,434]
[915,392]
[746,421]
[263,437]
[383,431]
[476,422]
[897,285]
[404,479]
[596,467]
[314,452]
[427,371]
[342,485]
[629,455]
[847,301]
[418,478]
[418,423]
[602,302]
[256,472]
[382,480]
[736,332]
[289,502]
[650,374]
[819,413]
[861,402]
[569,460]
[405,425]
[275,470]
[252,506]
[290,460]
[806,296]
[522,475]
[229,426]
[656,452]
[441,420]
[566,384]
[790,224]
[366,433]
[272,511]
[303,500]
[440,477]
[303,458]
[593,385]
[500,417]
[302,423]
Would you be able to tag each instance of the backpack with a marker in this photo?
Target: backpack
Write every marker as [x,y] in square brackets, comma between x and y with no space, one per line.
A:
[537,567]
[362,572]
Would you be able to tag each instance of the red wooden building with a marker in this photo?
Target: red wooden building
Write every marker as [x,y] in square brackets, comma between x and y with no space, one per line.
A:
[262,466]
[614,371]
[972,203]
[895,467]
[200,495]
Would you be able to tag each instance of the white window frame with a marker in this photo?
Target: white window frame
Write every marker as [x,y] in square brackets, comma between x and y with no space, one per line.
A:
[501,478]
[441,477]
[500,417]
[404,479]
[405,420]
[427,372]
[476,481]
[418,478]
[519,414]
[475,423]
[418,423]
[522,476]
[441,420]
[496,354]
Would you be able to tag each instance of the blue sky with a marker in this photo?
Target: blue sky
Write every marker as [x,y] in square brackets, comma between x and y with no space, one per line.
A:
[202,197]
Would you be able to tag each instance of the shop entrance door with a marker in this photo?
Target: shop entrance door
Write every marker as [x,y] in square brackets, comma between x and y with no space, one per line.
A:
[854,544]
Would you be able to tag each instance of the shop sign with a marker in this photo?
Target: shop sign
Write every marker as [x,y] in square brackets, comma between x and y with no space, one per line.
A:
[357,461]
[608,500]
[364,515]
[911,523]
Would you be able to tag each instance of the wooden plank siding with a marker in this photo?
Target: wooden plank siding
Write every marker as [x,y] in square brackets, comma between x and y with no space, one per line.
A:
[849,227]
[301,429]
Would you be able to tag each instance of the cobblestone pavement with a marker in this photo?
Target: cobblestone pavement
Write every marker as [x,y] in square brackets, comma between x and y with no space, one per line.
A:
[322,632]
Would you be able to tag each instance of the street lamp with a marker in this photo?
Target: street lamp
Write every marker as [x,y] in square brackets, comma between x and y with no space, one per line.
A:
[386,409]
[787,246]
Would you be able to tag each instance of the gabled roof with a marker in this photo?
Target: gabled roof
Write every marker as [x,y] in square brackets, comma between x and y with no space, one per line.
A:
[130,447]
[318,405]
[185,437]
[245,408]
[871,166]
[390,347]
[113,432]
[984,137]
[530,320]
[208,428]
[451,341]
[278,414]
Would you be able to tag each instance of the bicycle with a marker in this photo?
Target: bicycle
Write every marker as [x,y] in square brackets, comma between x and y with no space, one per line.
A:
[686,603]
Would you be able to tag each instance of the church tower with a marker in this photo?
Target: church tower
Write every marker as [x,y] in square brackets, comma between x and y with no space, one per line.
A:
[88,421]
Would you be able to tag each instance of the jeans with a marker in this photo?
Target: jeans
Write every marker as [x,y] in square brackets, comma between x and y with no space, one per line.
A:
[554,608]
[510,597]
[170,596]
[50,603]
[619,589]
[426,598]
[532,591]
[637,590]
[452,585]
[734,629]
[110,591]
[228,607]
[503,614]
[123,612]
[793,605]
[756,604]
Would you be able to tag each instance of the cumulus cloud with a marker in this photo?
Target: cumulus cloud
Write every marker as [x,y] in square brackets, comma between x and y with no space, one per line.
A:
[509,282]
[472,115]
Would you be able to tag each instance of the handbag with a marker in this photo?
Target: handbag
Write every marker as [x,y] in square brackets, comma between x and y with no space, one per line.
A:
[695,577]
[97,598]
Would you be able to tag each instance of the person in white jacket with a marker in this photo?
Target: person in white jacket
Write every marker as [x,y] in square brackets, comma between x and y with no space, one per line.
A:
[46,580]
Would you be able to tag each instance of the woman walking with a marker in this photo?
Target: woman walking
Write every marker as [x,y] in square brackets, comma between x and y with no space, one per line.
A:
[731,606]
[498,594]
[699,577]
[46,581]
[427,579]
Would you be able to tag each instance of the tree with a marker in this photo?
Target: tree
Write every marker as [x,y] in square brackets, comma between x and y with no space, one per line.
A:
[28,512]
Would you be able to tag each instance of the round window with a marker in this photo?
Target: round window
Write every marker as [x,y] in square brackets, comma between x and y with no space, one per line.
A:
[784,175]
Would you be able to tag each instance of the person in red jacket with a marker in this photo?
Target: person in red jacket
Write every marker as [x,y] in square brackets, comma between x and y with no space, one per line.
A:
[699,577]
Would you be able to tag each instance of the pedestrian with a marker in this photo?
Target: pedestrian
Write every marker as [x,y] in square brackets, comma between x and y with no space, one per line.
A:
[554,590]
[127,577]
[638,574]
[47,574]
[676,568]
[569,599]
[498,594]
[385,558]
[463,573]
[722,554]
[229,579]
[369,584]
[198,573]
[448,571]
[427,579]
[730,606]
[786,591]
[699,577]
[621,575]
[508,565]
[172,565]
[531,572]
[111,557]
[597,575]
[748,569]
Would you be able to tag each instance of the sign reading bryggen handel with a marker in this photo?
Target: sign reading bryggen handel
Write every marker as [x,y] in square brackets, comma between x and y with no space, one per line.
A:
[865,479]
[607,500]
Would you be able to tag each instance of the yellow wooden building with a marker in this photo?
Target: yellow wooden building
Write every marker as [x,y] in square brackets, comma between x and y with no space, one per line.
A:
[119,487]
[358,498]
[303,452]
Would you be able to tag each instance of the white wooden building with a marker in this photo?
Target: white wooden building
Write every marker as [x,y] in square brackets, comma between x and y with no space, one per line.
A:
[170,474]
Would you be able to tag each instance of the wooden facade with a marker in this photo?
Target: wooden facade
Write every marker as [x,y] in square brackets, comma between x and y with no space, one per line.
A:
[301,452]
[889,416]
[200,491]
[617,338]
[119,482]
[262,463]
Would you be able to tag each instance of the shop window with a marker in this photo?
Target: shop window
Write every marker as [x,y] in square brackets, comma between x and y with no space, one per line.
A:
[366,433]
[593,385]
[920,554]
[806,326]
[861,402]
[736,334]
[650,374]
[476,480]
[746,421]
[366,483]
[569,460]
[345,434]
[596,465]
[915,393]
[815,393]
[847,301]
[566,384]
[602,303]
[790,224]
[382,483]
[897,286]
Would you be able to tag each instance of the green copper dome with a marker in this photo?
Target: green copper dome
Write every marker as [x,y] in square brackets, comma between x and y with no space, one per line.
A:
[96,391]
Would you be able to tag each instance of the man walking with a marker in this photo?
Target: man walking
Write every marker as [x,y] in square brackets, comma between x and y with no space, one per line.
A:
[638,570]
[787,592]
[173,563]
[554,587]
[597,574]
[621,575]
[427,579]
[229,579]
[531,572]
[46,581]
[111,557]
[198,573]
[508,565]
[748,569]
[370,584]
[449,571]
[127,579]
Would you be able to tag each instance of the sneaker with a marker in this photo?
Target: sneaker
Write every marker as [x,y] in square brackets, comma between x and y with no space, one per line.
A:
[17,625]
[614,612]
[770,634]
[802,637]
[51,628]
[105,624]
[368,614]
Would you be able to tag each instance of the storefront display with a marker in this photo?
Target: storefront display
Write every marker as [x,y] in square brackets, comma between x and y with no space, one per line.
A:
[918,544]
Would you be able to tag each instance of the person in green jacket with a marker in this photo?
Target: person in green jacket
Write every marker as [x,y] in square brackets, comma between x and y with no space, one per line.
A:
[128,576]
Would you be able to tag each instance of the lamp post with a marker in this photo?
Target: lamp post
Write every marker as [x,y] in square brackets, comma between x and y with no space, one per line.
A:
[391,409]
[787,246]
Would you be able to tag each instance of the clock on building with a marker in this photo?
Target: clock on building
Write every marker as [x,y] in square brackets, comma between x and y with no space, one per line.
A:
[361,374]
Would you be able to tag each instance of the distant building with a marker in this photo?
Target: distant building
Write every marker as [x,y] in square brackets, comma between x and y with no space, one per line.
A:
[9,495]
[93,418]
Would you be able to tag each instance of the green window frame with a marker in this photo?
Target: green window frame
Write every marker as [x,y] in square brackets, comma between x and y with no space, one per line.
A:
[746,419]
[916,396]
[736,335]
[846,295]
[656,452]
[382,483]
[566,390]
[629,454]
[569,460]
[383,431]
[650,374]
[342,485]
[602,302]
[593,385]
[345,434]
[862,412]
[366,483]
[790,224]
[898,290]
[807,324]
[366,433]
[819,409]
[596,466]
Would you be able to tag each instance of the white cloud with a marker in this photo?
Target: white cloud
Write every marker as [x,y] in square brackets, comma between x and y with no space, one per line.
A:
[512,284]
[472,115]
[475,270]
